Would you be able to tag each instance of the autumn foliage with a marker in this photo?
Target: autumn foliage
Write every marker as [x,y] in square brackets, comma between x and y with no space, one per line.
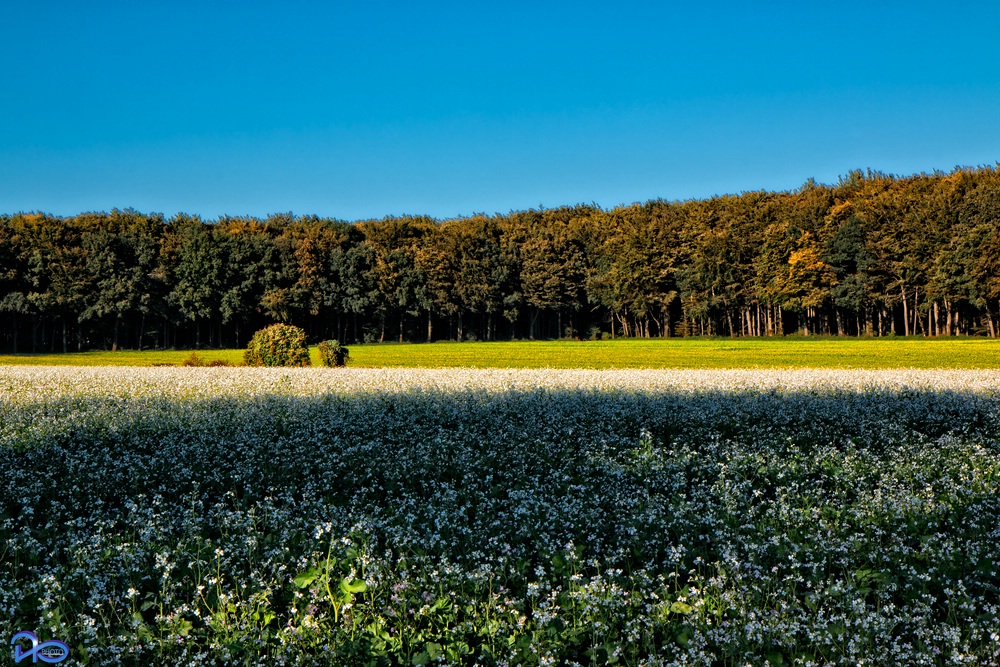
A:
[871,255]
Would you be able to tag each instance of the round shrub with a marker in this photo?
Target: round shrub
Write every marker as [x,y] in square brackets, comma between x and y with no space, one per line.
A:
[332,353]
[277,345]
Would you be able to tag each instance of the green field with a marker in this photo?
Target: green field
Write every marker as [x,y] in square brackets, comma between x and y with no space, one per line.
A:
[869,353]
[121,358]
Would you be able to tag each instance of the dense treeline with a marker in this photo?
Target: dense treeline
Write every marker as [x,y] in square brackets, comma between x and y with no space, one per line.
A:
[871,255]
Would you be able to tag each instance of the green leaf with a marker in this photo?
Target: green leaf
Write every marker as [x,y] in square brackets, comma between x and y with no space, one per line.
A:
[434,650]
[681,608]
[306,578]
[354,587]
[610,657]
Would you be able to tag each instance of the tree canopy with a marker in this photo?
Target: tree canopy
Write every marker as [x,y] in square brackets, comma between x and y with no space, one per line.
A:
[873,254]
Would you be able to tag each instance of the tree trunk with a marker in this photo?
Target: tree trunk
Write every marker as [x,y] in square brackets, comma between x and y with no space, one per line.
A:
[401,326]
[906,312]
[430,325]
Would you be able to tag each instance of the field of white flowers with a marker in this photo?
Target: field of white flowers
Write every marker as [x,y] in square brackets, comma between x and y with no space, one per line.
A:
[233,516]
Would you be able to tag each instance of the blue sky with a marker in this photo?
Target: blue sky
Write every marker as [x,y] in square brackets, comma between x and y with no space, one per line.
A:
[362,110]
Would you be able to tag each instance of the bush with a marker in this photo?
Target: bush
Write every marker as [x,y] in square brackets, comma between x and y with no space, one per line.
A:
[193,360]
[332,353]
[278,345]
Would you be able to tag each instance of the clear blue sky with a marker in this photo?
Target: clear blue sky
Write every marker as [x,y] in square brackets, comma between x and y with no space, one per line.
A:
[360,110]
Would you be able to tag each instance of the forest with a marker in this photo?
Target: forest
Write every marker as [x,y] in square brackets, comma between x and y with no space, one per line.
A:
[872,255]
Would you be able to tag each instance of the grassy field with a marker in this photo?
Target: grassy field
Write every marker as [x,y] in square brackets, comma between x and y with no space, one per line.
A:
[866,353]
[121,358]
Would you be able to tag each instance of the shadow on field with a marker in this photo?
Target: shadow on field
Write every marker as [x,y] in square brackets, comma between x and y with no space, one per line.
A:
[580,450]
[650,518]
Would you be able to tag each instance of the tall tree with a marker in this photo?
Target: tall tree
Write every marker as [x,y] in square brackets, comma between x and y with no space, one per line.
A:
[195,263]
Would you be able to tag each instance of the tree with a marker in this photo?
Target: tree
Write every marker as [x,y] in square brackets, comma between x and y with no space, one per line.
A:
[393,274]
[633,267]
[479,270]
[121,257]
[196,272]
[553,268]
[251,269]
[22,279]
[845,252]
[808,283]
[434,260]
